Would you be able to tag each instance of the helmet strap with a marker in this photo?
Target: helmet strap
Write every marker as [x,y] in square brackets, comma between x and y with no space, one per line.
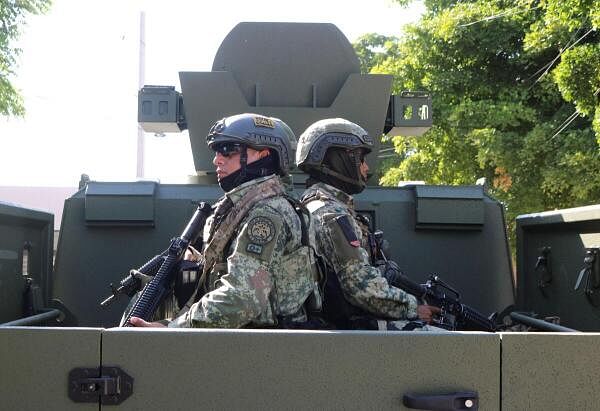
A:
[243,164]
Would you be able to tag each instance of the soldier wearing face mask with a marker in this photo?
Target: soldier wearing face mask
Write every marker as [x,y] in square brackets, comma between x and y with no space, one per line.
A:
[358,295]
[256,260]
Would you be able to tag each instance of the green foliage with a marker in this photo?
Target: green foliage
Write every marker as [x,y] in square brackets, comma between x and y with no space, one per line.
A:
[12,18]
[515,89]
[372,49]
[578,77]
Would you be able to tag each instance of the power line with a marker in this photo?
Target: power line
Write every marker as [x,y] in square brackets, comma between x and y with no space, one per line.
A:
[565,124]
[554,59]
[549,65]
[497,16]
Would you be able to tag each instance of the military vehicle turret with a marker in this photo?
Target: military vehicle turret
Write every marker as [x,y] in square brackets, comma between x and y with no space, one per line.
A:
[79,360]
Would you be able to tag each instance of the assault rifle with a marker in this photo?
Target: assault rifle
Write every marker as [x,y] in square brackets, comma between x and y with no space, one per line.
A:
[454,315]
[157,289]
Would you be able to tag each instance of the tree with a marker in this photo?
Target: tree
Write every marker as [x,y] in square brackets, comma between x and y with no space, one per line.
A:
[12,18]
[372,49]
[515,99]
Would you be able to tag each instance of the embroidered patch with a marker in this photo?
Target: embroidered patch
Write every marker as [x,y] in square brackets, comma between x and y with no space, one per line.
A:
[254,248]
[261,230]
[348,231]
[264,122]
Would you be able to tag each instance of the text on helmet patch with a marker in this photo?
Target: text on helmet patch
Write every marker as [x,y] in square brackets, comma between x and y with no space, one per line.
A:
[264,122]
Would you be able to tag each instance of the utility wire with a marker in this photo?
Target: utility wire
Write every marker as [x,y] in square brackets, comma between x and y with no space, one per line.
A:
[565,124]
[548,66]
[553,60]
[497,16]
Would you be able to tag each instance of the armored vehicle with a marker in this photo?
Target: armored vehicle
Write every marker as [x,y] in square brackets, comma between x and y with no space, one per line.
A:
[63,351]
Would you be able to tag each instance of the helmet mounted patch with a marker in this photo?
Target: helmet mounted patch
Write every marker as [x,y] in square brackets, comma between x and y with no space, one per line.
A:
[264,122]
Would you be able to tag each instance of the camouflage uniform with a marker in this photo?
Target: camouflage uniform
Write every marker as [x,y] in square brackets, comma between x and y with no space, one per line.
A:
[362,284]
[262,276]
[257,266]
[332,152]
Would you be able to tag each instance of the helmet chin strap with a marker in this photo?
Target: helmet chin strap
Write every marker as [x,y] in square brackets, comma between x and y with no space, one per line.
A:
[243,163]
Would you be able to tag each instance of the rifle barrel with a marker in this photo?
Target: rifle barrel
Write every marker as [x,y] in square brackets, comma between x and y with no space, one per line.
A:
[539,324]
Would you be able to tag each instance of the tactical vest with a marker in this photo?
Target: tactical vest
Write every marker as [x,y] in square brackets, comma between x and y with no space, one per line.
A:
[227,218]
[336,309]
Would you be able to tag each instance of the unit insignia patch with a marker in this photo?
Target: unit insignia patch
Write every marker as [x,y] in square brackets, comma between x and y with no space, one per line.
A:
[261,230]
[264,122]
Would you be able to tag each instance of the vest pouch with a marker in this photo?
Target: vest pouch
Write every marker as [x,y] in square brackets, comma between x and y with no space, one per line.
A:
[294,283]
[314,303]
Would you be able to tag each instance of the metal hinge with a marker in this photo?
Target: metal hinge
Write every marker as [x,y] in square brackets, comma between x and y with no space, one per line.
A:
[105,385]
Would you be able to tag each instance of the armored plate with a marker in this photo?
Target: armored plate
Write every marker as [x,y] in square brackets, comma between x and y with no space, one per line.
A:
[551,255]
[278,369]
[26,239]
[552,371]
[36,363]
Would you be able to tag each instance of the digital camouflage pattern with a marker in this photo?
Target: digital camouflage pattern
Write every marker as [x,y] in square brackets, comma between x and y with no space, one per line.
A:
[362,284]
[264,274]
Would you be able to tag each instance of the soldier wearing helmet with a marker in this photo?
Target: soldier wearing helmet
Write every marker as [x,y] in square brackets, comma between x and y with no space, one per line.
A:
[256,261]
[357,293]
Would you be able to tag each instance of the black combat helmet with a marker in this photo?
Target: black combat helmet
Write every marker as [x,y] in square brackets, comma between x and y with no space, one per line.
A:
[237,133]
[257,132]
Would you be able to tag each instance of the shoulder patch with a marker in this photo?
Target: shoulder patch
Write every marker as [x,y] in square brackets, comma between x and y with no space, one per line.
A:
[261,230]
[348,231]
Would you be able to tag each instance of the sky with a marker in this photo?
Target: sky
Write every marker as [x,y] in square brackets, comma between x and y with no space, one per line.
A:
[79,73]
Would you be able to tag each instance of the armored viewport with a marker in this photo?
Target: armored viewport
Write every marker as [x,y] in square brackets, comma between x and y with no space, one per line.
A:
[299,72]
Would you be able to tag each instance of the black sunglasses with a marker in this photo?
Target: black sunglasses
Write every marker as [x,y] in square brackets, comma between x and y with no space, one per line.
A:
[227,149]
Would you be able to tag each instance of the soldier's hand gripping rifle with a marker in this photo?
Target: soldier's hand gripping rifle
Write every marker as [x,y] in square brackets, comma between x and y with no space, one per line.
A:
[454,315]
[155,291]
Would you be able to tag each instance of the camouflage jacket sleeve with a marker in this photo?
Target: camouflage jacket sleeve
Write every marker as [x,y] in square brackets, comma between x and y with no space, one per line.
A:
[242,295]
[361,283]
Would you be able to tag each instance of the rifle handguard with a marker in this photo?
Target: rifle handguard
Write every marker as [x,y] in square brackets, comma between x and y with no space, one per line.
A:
[404,283]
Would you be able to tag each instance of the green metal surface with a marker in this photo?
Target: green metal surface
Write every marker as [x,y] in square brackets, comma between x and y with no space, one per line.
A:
[93,254]
[36,363]
[550,371]
[452,207]
[120,203]
[25,234]
[325,82]
[566,234]
[90,256]
[474,261]
[270,369]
